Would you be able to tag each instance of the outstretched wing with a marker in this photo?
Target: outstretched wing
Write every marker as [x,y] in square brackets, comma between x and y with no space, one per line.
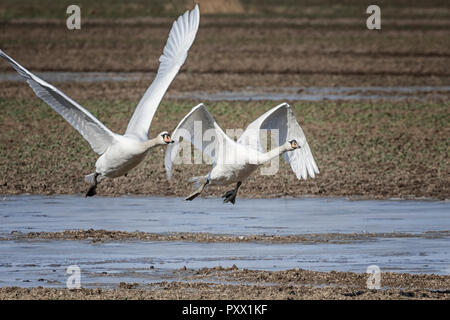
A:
[181,37]
[193,128]
[95,132]
[282,118]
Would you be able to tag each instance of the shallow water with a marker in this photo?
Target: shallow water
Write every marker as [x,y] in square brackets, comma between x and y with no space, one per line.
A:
[251,93]
[318,93]
[34,263]
[248,216]
[43,262]
[87,77]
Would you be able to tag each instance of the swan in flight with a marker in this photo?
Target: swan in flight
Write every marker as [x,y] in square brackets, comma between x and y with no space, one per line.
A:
[234,161]
[121,153]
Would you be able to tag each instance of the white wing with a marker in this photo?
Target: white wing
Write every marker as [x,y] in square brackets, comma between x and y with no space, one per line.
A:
[181,37]
[282,118]
[95,132]
[192,128]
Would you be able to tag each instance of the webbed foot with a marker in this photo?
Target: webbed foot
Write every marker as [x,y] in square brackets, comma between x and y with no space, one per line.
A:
[92,191]
[93,188]
[230,196]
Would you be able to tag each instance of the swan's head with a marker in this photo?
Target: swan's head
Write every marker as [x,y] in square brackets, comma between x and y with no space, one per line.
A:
[293,144]
[165,138]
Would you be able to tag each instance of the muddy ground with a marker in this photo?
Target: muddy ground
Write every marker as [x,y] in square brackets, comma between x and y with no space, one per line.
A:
[364,149]
[232,53]
[114,235]
[213,283]
[372,149]
[238,283]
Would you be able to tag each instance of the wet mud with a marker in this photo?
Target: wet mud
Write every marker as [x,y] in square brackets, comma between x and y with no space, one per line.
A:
[213,283]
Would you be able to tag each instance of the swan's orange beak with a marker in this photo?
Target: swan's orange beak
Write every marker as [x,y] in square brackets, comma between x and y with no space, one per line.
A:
[294,144]
[167,139]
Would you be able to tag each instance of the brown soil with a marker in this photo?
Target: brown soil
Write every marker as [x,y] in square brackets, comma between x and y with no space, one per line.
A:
[112,235]
[372,149]
[234,52]
[369,150]
[211,283]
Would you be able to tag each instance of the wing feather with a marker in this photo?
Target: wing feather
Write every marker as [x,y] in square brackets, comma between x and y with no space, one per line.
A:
[181,37]
[187,130]
[282,118]
[95,132]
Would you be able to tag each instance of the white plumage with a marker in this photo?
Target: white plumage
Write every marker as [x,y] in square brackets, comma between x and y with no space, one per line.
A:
[120,153]
[282,118]
[174,55]
[234,161]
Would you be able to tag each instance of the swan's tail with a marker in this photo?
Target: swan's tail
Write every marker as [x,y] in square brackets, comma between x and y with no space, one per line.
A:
[198,181]
[90,178]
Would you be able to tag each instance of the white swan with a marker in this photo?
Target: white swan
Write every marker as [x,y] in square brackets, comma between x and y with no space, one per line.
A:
[234,161]
[121,153]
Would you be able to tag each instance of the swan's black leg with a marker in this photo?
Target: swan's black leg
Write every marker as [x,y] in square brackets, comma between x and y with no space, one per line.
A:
[230,196]
[93,188]
[197,192]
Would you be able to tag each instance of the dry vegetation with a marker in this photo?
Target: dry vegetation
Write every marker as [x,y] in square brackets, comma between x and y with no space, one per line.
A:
[369,149]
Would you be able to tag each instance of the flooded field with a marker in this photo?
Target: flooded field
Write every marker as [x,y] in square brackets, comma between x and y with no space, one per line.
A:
[321,93]
[394,93]
[248,216]
[373,104]
[406,236]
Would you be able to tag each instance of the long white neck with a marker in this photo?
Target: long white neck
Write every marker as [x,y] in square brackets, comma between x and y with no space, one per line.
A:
[266,157]
[153,143]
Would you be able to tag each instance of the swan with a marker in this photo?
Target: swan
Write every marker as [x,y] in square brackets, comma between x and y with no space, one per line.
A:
[235,161]
[121,153]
